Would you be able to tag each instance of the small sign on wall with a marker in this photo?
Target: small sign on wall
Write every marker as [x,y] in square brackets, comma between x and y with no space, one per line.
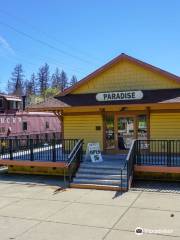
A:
[93,151]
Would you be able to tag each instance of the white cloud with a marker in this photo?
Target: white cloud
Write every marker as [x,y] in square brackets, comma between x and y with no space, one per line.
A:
[5,45]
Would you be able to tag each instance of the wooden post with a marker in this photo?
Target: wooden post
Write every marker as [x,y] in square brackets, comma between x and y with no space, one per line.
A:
[116,130]
[104,128]
[60,116]
[135,127]
[148,122]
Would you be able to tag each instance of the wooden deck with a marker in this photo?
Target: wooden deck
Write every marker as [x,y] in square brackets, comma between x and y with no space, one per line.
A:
[27,163]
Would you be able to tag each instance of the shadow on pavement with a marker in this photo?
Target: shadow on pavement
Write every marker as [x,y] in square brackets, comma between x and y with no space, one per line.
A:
[31,179]
[156,186]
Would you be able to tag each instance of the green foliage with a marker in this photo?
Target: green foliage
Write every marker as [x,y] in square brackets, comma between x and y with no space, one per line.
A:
[51,92]
[39,86]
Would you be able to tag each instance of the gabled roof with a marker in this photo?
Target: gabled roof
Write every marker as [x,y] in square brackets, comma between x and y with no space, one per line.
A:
[49,104]
[11,97]
[120,58]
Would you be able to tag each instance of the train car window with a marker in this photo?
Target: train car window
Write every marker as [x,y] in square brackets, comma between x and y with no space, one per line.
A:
[1,103]
[24,126]
[47,125]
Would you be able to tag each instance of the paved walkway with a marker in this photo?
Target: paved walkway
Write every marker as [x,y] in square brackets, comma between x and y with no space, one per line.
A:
[34,208]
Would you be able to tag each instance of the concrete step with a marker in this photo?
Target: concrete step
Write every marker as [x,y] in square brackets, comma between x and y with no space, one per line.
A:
[98,187]
[100,171]
[100,176]
[99,181]
[101,166]
[109,157]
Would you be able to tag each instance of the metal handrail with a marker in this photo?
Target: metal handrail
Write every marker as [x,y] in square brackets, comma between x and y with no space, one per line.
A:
[74,151]
[74,159]
[129,164]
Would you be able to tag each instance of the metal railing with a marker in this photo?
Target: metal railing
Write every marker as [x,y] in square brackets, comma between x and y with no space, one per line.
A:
[36,149]
[44,135]
[158,152]
[74,159]
[128,167]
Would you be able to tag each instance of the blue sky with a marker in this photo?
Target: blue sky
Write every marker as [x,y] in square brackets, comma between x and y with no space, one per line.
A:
[79,36]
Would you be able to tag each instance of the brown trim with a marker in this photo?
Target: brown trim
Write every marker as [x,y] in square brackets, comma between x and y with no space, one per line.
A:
[97,187]
[62,124]
[60,116]
[32,163]
[148,122]
[117,59]
[116,115]
[163,105]
[81,113]
[132,112]
[104,129]
[124,113]
[135,127]
[156,169]
[166,111]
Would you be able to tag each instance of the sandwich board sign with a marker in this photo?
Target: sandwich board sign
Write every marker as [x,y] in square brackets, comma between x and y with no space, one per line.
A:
[93,150]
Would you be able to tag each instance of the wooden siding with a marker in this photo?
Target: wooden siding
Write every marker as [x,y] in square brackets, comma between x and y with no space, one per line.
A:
[84,126]
[126,76]
[165,125]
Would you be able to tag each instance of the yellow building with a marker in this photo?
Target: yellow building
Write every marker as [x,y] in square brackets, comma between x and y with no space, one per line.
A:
[123,100]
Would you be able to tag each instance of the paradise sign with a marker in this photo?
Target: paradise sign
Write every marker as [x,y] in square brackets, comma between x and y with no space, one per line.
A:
[117,96]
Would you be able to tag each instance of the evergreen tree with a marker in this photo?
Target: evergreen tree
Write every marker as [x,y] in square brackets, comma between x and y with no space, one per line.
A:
[16,84]
[31,85]
[63,80]
[43,79]
[56,79]
[73,80]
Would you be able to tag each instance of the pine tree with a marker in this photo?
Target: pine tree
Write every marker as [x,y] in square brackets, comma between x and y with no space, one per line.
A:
[56,79]
[63,80]
[31,85]
[73,80]
[43,78]
[16,84]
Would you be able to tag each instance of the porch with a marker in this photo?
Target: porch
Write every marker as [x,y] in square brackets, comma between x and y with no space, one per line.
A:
[146,159]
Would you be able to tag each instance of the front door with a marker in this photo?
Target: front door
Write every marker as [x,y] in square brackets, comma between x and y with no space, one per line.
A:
[121,129]
[126,132]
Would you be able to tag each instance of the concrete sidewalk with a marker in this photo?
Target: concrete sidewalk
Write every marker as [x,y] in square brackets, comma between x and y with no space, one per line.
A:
[39,210]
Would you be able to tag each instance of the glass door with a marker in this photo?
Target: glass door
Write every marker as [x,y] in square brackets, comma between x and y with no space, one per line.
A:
[109,132]
[125,132]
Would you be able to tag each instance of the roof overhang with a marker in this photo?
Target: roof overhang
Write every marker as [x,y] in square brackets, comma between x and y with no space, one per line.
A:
[162,97]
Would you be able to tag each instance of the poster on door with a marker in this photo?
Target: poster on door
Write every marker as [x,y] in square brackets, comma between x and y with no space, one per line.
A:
[93,151]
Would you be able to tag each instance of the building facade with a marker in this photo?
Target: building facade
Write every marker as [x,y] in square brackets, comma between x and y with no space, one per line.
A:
[123,100]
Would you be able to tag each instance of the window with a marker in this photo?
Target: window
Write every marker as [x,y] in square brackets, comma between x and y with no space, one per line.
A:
[1,103]
[11,105]
[142,127]
[47,125]
[2,129]
[24,126]
[110,142]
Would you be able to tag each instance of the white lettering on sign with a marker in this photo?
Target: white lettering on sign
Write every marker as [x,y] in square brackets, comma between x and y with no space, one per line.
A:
[8,120]
[93,150]
[116,96]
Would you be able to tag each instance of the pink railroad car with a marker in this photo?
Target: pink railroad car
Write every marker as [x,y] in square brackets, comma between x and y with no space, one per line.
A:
[14,121]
